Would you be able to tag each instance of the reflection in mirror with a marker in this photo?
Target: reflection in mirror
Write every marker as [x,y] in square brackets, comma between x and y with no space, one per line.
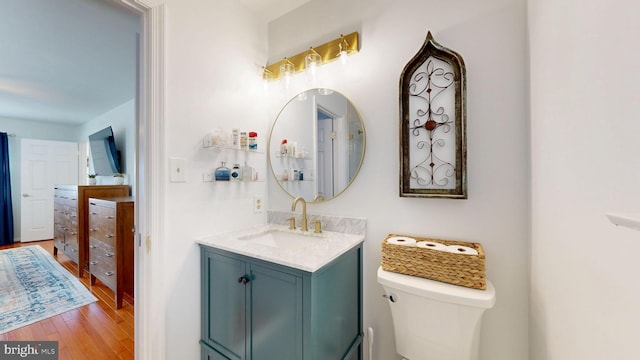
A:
[317,145]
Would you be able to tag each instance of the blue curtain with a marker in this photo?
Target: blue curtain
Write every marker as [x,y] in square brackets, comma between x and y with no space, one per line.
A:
[6,208]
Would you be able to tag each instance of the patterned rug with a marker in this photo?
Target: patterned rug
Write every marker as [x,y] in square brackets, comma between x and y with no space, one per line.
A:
[34,286]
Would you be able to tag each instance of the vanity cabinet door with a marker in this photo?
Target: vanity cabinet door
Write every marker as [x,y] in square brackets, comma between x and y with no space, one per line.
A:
[208,353]
[224,307]
[276,314]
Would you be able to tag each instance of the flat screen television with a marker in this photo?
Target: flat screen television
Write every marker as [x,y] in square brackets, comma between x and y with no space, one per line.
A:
[105,156]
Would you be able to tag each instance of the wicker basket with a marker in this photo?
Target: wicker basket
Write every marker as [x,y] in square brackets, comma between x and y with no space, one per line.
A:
[458,269]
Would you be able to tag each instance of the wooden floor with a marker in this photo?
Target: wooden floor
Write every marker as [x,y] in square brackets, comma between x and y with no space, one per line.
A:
[94,331]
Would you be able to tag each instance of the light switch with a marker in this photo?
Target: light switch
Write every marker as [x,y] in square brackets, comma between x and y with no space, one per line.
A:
[178,169]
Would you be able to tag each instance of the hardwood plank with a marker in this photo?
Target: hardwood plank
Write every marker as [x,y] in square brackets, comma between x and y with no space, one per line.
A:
[94,331]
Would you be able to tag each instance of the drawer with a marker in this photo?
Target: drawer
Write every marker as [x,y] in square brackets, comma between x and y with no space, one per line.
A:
[105,272]
[100,252]
[102,224]
[66,197]
[58,237]
[99,233]
[71,250]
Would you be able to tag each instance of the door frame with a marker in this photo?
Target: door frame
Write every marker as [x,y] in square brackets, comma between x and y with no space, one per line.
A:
[149,309]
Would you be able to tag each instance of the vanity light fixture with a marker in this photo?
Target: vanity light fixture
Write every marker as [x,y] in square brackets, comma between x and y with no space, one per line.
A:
[345,49]
[267,76]
[327,52]
[312,61]
[287,69]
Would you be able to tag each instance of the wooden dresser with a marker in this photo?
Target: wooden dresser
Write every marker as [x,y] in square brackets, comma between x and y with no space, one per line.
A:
[111,244]
[71,218]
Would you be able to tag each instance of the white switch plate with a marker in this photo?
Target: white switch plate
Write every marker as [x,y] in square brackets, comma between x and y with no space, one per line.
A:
[258,204]
[177,169]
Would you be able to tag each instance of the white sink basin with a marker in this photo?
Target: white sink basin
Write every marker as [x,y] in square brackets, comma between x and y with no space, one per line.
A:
[280,239]
[304,250]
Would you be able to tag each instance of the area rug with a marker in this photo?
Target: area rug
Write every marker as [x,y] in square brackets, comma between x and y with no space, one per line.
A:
[34,286]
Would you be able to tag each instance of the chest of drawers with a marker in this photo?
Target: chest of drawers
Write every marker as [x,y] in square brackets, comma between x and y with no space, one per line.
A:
[70,213]
[111,244]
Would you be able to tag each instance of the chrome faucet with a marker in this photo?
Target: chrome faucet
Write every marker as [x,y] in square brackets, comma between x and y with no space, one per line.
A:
[304,211]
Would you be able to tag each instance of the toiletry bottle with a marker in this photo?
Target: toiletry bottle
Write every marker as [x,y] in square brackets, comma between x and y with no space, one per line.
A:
[253,141]
[283,148]
[285,175]
[296,174]
[235,174]
[243,140]
[247,172]
[300,175]
[235,138]
[222,173]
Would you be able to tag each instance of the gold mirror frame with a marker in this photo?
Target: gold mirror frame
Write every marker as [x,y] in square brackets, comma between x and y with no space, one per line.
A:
[307,138]
[432,159]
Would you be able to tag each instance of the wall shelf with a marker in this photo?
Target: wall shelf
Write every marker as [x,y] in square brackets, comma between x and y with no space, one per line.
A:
[630,220]
[229,147]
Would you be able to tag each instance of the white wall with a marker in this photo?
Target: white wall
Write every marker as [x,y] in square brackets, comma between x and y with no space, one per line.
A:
[584,138]
[491,37]
[214,52]
[26,129]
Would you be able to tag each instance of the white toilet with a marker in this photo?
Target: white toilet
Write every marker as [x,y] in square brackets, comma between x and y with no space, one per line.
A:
[433,320]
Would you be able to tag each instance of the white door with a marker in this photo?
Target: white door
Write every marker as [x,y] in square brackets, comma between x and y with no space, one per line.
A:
[43,164]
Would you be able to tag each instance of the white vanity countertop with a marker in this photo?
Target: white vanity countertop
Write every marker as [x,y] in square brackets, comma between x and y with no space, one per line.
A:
[322,248]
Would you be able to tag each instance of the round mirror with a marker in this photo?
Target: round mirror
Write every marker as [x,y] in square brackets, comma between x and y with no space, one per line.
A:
[317,145]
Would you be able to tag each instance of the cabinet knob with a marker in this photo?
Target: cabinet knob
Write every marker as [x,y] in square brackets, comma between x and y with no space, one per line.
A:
[243,279]
[391,297]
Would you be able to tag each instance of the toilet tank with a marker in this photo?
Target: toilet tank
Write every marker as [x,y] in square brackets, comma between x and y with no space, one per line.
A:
[434,320]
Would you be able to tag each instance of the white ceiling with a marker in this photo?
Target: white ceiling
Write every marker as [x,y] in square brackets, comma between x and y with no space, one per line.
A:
[272,9]
[68,61]
[65,61]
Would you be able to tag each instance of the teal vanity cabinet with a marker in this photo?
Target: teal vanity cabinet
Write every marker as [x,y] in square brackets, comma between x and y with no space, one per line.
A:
[259,310]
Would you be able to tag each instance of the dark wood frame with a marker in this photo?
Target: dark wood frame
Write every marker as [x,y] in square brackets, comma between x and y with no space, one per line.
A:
[432,49]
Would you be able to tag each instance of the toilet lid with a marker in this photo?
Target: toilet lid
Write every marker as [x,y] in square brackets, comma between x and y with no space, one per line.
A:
[438,290]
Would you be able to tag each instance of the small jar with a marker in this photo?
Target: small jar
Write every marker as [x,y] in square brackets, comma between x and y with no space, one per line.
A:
[235,174]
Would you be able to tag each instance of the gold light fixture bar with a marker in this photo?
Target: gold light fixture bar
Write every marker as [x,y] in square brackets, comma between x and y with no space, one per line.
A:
[329,51]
